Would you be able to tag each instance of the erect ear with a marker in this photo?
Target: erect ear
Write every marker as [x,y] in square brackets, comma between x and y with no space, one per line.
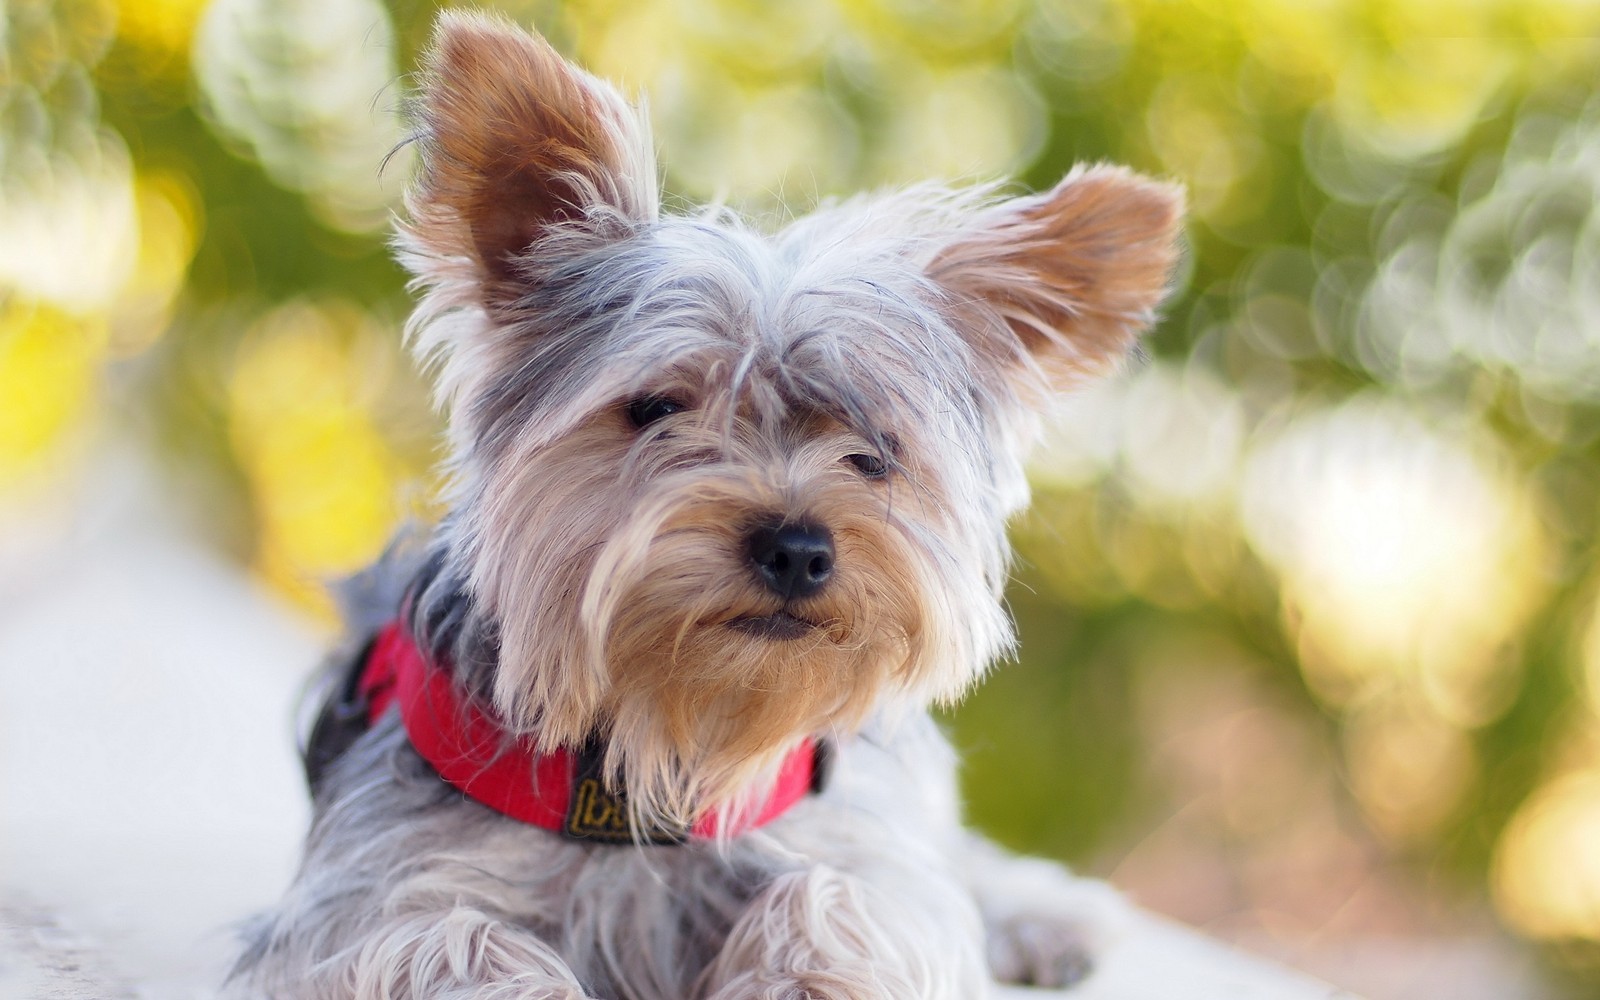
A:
[1062,283]
[514,139]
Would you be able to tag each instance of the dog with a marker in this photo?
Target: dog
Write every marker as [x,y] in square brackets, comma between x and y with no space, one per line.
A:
[645,716]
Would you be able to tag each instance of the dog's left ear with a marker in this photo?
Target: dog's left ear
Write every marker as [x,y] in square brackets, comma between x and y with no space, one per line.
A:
[1064,282]
[514,140]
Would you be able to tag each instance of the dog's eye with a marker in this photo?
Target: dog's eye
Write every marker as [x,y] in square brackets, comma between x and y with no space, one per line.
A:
[870,466]
[646,410]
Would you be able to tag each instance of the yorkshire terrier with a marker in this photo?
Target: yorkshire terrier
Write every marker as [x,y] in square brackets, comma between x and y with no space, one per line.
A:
[645,717]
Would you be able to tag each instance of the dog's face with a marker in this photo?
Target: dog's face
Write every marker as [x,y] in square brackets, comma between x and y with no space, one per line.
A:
[716,491]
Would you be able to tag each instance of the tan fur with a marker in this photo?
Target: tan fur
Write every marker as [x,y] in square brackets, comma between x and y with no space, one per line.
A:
[652,561]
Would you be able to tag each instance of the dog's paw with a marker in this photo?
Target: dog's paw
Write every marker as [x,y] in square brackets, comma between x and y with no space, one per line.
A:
[1038,951]
[835,985]
[1053,940]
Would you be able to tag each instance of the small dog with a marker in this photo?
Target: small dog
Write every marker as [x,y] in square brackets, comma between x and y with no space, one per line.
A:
[645,717]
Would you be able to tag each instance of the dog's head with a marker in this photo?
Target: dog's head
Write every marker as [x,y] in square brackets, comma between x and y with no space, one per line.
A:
[713,490]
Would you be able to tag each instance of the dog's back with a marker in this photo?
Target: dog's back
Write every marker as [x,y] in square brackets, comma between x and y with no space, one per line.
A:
[333,713]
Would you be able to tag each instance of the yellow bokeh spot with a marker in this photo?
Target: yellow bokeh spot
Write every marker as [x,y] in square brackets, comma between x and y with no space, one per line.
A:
[977,121]
[1421,96]
[1199,137]
[776,145]
[1303,43]
[1408,768]
[48,365]
[323,478]
[169,226]
[1556,20]
[1402,19]
[1546,872]
[955,27]
[634,50]
[759,39]
[165,26]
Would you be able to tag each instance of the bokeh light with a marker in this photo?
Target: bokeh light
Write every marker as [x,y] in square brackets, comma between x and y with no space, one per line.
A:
[301,87]
[301,415]
[48,367]
[1404,558]
[1547,877]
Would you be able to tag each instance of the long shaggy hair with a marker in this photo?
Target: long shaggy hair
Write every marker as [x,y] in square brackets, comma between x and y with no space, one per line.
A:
[633,399]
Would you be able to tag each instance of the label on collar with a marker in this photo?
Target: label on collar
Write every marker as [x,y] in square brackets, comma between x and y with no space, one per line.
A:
[595,813]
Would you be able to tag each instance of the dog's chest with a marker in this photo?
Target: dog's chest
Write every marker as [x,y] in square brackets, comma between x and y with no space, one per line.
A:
[643,924]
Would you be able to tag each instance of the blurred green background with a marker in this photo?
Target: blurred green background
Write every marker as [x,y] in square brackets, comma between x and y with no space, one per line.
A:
[1308,603]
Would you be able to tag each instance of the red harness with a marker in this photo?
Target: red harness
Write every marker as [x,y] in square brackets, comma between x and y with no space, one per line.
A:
[562,790]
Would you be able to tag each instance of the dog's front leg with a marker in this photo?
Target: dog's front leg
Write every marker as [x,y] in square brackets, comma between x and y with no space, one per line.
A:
[1045,926]
[820,934]
[458,954]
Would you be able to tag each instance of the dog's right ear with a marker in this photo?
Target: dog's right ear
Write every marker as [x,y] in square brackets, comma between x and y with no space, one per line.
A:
[513,140]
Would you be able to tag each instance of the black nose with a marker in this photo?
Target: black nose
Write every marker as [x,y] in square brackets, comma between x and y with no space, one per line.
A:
[794,560]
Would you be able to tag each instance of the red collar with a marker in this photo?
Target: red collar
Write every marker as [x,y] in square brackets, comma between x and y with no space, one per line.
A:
[562,790]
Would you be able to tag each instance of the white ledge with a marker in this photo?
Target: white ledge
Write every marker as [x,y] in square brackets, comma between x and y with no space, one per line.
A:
[1163,960]
[42,957]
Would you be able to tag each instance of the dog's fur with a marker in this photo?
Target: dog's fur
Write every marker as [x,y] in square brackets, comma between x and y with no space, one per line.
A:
[876,371]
